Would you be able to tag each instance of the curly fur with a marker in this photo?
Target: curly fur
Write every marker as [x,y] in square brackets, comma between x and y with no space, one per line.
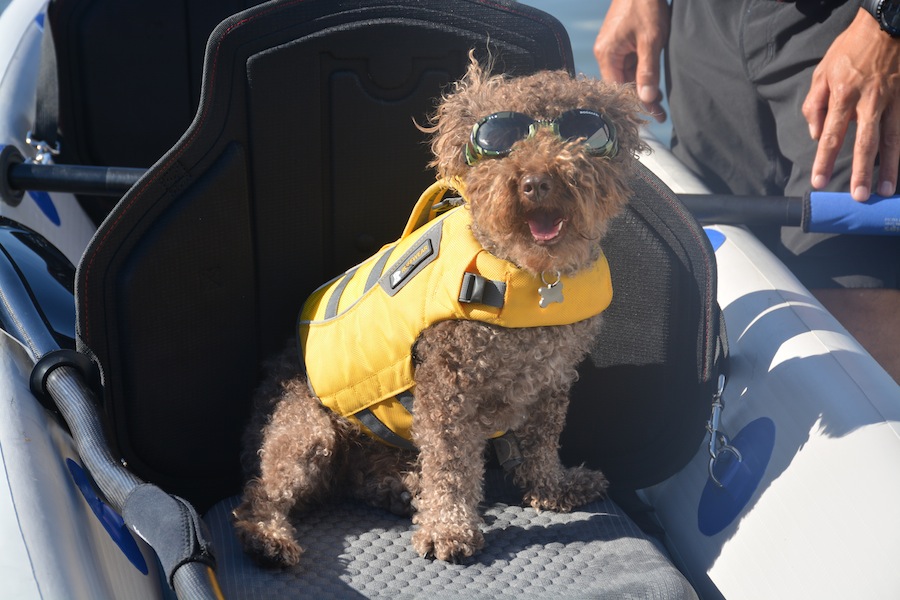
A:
[472,379]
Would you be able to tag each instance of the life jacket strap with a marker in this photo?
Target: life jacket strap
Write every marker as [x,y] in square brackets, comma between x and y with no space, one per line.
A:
[479,290]
[508,452]
[382,431]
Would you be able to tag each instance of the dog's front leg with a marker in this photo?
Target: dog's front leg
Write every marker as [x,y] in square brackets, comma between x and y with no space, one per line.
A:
[547,483]
[451,471]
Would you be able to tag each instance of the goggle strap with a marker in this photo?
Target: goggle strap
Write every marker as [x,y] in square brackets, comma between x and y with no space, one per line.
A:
[533,128]
[471,154]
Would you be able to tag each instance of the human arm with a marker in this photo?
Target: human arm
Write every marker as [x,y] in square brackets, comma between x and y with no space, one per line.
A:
[857,79]
[629,45]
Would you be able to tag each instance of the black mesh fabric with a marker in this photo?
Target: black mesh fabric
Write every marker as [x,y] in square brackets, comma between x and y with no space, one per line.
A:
[355,551]
[639,409]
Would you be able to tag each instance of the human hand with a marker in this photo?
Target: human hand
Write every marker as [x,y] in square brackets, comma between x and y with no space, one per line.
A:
[629,45]
[857,79]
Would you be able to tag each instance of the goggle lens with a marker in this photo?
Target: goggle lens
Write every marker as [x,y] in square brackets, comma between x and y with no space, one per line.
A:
[494,135]
[499,131]
[581,123]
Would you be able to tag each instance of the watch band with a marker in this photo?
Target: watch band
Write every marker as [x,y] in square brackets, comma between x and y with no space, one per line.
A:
[890,22]
[871,7]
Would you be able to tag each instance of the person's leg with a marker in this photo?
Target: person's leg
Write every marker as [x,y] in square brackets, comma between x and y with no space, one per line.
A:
[722,130]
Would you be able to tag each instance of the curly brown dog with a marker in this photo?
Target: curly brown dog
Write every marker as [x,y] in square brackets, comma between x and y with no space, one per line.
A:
[542,163]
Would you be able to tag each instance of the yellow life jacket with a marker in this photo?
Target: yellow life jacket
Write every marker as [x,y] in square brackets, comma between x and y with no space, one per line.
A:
[357,331]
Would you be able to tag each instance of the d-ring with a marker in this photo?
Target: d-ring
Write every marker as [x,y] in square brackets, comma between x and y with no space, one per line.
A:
[547,283]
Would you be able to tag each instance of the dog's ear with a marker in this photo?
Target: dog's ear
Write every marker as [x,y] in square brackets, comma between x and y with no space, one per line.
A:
[456,114]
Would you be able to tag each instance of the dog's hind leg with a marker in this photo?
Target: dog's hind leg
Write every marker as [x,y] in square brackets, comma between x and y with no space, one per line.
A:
[296,460]
[378,475]
[547,483]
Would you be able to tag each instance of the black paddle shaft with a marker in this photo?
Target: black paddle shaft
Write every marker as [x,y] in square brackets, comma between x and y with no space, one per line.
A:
[115,181]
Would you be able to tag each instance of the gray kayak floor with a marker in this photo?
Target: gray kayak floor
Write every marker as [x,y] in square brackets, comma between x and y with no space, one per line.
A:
[356,551]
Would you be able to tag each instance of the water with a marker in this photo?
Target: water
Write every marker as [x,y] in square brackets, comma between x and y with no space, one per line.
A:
[582,20]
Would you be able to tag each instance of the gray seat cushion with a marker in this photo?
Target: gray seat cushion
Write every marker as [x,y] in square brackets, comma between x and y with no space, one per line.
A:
[354,550]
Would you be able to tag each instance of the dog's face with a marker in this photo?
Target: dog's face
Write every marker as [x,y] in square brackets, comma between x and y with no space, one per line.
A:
[538,198]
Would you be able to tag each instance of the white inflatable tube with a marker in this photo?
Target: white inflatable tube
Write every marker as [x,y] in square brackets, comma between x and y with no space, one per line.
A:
[813,508]
[56,216]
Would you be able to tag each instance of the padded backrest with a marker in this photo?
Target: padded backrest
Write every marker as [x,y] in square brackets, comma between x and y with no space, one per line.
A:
[129,77]
[129,74]
[639,408]
[302,158]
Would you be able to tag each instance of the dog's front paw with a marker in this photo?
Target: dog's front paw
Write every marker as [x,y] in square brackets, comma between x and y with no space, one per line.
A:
[447,542]
[575,487]
[271,542]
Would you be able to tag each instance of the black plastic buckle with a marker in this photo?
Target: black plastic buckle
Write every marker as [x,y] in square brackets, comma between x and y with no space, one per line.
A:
[476,289]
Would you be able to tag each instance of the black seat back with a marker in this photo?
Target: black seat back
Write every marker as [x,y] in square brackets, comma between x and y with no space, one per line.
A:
[302,158]
[129,74]
[640,406]
[128,78]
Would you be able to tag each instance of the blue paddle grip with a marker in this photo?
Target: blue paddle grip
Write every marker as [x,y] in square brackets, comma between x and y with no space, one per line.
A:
[838,212]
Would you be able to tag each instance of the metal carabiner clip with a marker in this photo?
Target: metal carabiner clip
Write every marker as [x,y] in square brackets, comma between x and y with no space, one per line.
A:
[43,151]
[719,443]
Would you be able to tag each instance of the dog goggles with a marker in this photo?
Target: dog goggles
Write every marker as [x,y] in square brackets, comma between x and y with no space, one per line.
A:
[494,135]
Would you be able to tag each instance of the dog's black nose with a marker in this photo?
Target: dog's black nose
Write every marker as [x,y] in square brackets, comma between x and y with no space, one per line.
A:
[535,186]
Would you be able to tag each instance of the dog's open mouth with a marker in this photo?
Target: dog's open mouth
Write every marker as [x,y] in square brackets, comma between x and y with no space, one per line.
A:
[545,225]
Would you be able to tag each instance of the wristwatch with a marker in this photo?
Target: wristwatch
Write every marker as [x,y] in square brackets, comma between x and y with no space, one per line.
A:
[887,13]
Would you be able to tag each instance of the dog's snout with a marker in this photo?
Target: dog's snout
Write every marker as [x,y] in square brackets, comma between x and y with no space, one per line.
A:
[535,186]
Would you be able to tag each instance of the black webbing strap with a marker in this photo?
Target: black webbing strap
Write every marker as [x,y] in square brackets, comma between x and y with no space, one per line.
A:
[506,447]
[382,431]
[477,289]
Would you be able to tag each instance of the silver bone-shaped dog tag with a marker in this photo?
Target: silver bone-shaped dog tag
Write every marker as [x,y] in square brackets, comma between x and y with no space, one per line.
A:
[551,292]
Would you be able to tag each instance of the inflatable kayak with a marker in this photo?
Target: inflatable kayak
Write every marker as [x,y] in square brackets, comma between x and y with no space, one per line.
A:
[789,490]
[809,411]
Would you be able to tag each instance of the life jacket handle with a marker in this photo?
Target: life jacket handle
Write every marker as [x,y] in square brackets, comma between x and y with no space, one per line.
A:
[431,203]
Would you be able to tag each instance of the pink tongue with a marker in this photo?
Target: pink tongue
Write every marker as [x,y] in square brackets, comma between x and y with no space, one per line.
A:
[544,226]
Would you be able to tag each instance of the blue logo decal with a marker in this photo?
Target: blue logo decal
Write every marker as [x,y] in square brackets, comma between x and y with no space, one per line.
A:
[39,19]
[719,506]
[110,519]
[45,203]
[716,238]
